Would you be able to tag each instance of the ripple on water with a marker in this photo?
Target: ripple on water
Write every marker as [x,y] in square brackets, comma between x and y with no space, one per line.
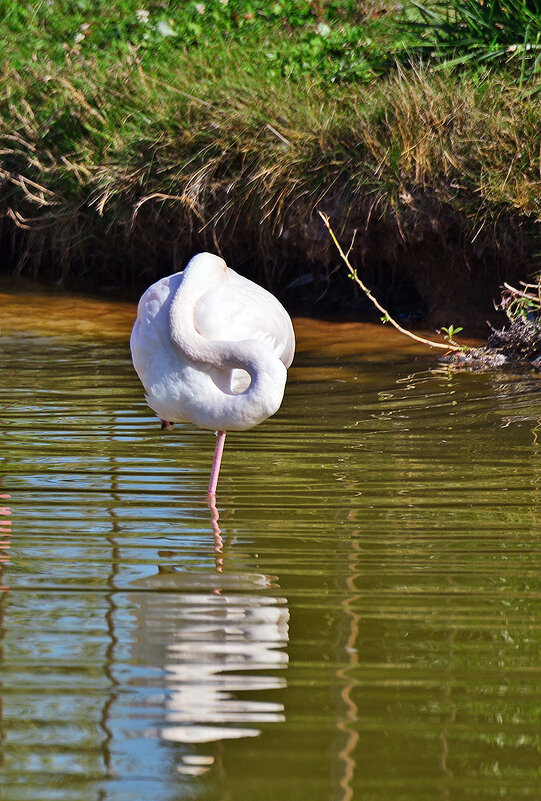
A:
[358,618]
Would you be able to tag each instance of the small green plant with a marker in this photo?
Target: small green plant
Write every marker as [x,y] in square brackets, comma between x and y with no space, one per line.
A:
[450,332]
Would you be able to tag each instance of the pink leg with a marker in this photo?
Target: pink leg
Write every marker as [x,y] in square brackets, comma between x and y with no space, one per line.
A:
[220,442]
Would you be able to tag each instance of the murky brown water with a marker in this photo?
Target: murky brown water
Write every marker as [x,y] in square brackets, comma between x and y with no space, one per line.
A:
[361,622]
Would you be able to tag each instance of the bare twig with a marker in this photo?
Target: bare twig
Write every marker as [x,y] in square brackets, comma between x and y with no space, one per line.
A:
[519,293]
[387,317]
[278,134]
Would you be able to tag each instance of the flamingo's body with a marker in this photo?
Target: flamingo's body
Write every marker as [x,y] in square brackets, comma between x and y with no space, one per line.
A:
[212,348]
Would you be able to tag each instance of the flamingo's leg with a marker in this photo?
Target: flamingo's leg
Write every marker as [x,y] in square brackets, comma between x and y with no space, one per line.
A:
[220,442]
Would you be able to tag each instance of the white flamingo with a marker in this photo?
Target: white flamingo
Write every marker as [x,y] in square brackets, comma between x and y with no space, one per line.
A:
[212,348]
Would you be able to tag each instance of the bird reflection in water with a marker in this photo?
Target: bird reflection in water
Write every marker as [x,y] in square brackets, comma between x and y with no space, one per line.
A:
[217,534]
[213,635]
[5,536]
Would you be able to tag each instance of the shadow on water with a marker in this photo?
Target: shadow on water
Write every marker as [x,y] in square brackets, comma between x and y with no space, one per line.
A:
[357,618]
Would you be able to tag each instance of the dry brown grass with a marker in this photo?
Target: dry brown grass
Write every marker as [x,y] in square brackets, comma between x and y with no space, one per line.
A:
[120,176]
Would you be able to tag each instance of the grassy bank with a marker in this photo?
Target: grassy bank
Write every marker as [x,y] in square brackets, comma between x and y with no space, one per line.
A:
[132,135]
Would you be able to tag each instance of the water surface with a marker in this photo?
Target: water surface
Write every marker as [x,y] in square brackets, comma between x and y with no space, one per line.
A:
[359,618]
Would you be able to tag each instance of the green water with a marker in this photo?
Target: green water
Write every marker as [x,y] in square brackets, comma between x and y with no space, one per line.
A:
[362,622]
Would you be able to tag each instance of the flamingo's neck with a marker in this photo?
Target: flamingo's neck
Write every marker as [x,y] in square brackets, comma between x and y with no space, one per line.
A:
[267,373]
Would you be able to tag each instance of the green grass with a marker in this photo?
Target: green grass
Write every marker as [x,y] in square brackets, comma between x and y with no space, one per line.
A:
[469,31]
[335,40]
[129,139]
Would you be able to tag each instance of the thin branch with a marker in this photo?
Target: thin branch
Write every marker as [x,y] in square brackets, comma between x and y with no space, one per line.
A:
[278,134]
[387,317]
[519,293]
